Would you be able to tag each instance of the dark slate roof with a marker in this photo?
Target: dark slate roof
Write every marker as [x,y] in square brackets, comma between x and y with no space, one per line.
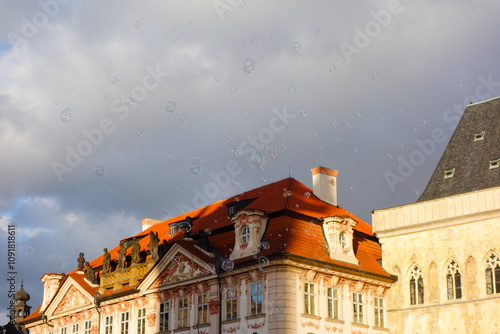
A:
[471,159]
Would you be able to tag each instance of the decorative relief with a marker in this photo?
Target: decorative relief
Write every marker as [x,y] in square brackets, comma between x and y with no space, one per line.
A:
[334,329]
[184,270]
[257,325]
[140,302]
[151,319]
[255,275]
[108,309]
[310,324]
[94,329]
[213,306]
[201,287]
[72,299]
[231,329]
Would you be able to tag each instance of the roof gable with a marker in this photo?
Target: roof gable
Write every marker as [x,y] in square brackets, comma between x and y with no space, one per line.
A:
[71,296]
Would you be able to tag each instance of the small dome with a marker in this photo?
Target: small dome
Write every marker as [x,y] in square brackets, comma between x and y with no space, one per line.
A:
[22,295]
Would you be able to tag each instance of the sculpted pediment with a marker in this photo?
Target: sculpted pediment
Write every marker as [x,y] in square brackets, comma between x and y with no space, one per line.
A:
[180,268]
[73,298]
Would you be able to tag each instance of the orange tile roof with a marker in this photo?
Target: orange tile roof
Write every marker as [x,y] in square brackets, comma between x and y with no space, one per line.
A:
[286,234]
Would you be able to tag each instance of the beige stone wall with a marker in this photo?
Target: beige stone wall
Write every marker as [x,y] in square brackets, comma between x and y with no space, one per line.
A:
[465,228]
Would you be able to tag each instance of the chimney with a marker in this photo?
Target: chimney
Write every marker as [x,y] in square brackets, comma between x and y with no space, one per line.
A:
[148,222]
[325,184]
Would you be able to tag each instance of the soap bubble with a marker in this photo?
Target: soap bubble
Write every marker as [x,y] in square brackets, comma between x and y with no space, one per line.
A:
[176,260]
[264,245]
[130,101]
[293,87]
[264,261]
[249,65]
[317,33]
[66,115]
[137,24]
[208,231]
[375,74]
[166,211]
[114,80]
[183,119]
[307,194]
[106,96]
[258,159]
[296,48]
[171,106]
[278,312]
[228,265]
[141,133]
[100,171]
[332,68]
[303,112]
[195,168]
[210,268]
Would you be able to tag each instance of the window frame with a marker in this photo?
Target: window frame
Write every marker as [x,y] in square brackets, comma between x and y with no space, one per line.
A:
[163,316]
[453,281]
[331,302]
[309,298]
[378,305]
[202,308]
[231,301]
[87,325]
[244,235]
[358,308]
[185,309]
[63,330]
[493,278]
[416,286]
[258,292]
[108,325]
[125,322]
[141,320]
[76,325]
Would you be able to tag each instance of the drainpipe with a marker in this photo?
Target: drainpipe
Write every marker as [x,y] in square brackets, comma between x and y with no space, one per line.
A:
[96,302]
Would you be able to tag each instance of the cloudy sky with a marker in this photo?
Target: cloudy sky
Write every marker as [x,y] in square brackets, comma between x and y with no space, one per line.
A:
[111,113]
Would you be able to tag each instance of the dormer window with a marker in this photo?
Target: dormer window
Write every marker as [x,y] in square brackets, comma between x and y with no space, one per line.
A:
[495,163]
[237,205]
[245,234]
[174,228]
[339,234]
[343,241]
[479,136]
[449,173]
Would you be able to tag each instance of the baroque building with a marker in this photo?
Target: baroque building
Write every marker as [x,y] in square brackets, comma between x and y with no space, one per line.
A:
[281,258]
[445,248]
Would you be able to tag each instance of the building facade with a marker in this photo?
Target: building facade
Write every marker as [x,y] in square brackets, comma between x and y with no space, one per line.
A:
[445,249]
[281,258]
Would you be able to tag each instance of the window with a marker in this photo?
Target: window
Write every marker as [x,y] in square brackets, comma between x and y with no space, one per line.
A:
[309,306]
[379,311]
[416,286]
[256,298]
[245,234]
[182,312]
[479,136]
[63,330]
[87,325]
[232,304]
[333,303]
[108,325]
[342,240]
[75,328]
[174,228]
[202,308]
[453,281]
[125,317]
[495,163]
[449,173]
[163,319]
[492,275]
[357,302]
[141,321]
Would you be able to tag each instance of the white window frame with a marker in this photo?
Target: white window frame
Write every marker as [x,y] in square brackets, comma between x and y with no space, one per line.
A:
[87,325]
[63,330]
[125,322]
[256,293]
[245,237]
[378,303]
[163,319]
[108,324]
[182,310]
[231,304]
[309,308]
[202,308]
[75,328]
[358,308]
[141,320]
[331,302]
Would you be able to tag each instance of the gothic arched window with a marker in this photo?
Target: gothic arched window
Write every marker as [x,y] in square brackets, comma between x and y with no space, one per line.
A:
[453,281]
[416,286]
[492,272]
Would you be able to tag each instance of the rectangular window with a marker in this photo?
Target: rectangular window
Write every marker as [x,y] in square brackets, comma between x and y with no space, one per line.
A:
[232,304]
[87,325]
[125,317]
[458,286]
[182,312]
[108,325]
[413,299]
[75,328]
[309,296]
[449,285]
[256,298]
[63,330]
[141,321]
[357,299]
[379,311]
[203,308]
[333,303]
[163,319]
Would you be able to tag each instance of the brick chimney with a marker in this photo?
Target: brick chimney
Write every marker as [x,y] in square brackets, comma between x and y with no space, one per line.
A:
[148,222]
[325,184]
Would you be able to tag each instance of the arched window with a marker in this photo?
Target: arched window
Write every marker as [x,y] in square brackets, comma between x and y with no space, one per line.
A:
[453,281]
[492,272]
[245,234]
[416,286]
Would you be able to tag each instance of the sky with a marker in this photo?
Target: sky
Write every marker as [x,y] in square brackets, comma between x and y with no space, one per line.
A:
[119,111]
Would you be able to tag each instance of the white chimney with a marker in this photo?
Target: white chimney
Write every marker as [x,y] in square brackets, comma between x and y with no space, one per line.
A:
[148,222]
[325,184]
